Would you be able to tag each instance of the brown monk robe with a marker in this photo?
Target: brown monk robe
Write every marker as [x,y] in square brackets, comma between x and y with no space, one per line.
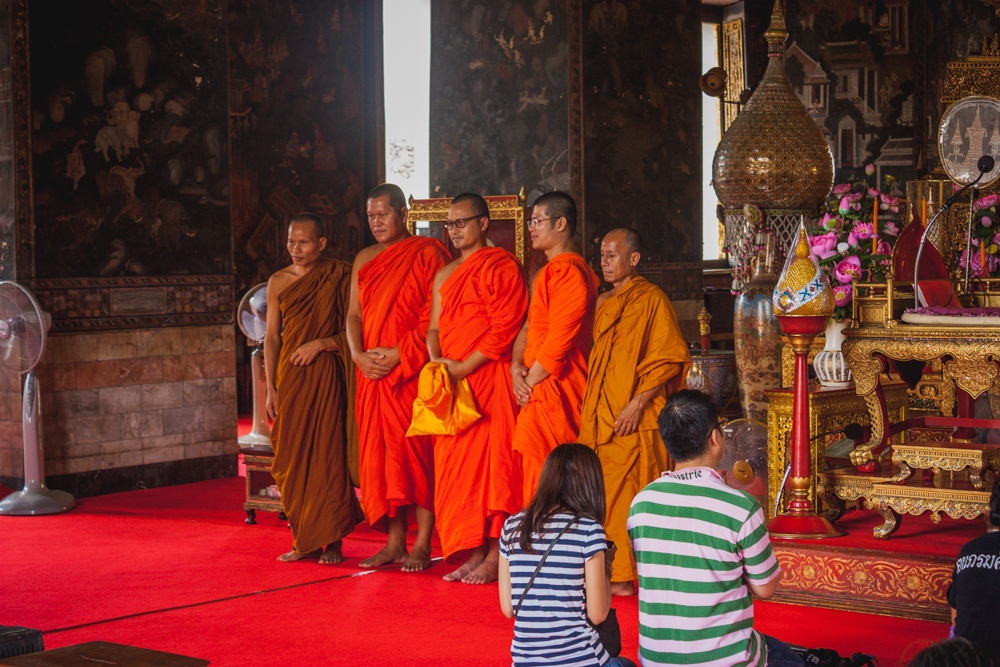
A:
[309,432]
[639,359]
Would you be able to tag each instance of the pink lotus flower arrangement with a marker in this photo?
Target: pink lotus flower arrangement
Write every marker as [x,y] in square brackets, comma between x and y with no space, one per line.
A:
[850,245]
[984,250]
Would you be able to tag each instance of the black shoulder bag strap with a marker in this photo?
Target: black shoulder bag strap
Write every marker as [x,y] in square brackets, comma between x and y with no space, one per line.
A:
[539,567]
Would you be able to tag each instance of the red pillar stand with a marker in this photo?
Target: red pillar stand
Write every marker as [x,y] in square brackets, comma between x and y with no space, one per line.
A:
[801,520]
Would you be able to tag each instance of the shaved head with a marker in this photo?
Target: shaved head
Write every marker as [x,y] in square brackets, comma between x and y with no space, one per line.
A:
[310,219]
[630,237]
[397,200]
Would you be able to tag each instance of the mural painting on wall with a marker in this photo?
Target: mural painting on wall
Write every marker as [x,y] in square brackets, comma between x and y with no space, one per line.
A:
[130,164]
[956,29]
[499,115]
[851,63]
[297,120]
[642,125]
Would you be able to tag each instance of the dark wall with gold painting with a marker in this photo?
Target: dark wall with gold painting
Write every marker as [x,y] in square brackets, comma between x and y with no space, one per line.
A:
[499,103]
[302,119]
[642,120]
[130,164]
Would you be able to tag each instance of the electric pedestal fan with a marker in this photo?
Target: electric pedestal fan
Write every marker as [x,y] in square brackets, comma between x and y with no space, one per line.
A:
[252,318]
[23,327]
[745,459]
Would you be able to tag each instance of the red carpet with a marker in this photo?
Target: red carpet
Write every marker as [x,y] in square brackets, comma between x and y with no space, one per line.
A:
[144,553]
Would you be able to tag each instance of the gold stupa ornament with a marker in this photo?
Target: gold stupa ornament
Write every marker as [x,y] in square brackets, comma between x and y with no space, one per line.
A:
[773,155]
[803,288]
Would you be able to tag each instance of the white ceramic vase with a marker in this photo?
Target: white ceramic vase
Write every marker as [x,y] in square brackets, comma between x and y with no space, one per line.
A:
[831,369]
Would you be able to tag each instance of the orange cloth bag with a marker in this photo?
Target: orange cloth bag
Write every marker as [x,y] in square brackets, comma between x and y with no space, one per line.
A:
[439,409]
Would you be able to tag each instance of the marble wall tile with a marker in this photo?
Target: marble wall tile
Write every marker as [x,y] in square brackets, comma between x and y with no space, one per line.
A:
[77,403]
[221,416]
[58,433]
[210,448]
[95,374]
[160,454]
[120,345]
[199,392]
[183,420]
[142,424]
[164,395]
[165,441]
[146,370]
[116,447]
[56,377]
[6,465]
[113,400]
[99,429]
[10,405]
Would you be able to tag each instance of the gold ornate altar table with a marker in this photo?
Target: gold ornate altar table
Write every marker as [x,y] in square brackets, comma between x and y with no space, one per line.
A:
[970,356]
[829,410]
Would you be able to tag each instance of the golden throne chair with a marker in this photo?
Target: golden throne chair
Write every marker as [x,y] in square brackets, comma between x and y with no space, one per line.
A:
[508,223]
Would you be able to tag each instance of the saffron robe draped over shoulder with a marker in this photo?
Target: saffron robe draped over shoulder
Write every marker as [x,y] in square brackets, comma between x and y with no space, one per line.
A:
[309,433]
[637,346]
[477,484]
[560,331]
[395,293]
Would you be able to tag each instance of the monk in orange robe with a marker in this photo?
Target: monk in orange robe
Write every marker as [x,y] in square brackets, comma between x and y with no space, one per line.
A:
[549,368]
[306,394]
[479,302]
[387,331]
[638,361]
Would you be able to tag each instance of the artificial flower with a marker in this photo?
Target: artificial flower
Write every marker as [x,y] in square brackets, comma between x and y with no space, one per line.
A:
[863,230]
[869,169]
[841,188]
[890,228]
[883,248]
[848,270]
[988,201]
[986,221]
[824,245]
[842,295]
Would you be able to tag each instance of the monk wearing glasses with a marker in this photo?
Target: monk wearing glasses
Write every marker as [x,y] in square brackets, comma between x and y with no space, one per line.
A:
[549,369]
[479,303]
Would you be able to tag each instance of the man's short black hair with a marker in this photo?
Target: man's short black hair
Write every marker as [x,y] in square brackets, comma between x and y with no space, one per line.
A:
[559,205]
[995,503]
[632,238]
[479,206]
[686,422]
[397,200]
[318,227]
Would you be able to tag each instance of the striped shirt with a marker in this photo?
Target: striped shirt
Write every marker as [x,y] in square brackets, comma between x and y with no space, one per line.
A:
[695,540]
[552,627]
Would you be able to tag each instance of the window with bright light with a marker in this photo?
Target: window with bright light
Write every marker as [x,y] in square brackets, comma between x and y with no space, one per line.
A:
[711,133]
[407,76]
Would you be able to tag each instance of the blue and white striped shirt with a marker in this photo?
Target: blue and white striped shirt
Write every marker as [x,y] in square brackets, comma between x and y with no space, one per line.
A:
[552,627]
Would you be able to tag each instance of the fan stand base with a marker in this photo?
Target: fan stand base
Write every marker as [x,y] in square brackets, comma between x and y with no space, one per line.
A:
[802,527]
[36,502]
[255,440]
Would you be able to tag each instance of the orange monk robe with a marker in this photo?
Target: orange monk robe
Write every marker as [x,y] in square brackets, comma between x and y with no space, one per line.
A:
[395,293]
[477,483]
[310,457]
[637,346]
[560,331]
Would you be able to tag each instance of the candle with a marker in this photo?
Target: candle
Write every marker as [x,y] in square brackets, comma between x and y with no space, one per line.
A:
[982,256]
[875,228]
[924,204]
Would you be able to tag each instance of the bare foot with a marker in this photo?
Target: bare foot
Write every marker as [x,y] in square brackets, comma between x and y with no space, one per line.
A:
[477,557]
[419,559]
[386,556]
[486,573]
[623,588]
[293,556]
[332,555]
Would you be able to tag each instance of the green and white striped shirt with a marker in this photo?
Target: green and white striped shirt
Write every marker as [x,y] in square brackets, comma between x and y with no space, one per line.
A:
[695,540]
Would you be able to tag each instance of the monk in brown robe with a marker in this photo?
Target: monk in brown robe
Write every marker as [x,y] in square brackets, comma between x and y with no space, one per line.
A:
[306,394]
[479,302]
[549,367]
[639,359]
[387,331]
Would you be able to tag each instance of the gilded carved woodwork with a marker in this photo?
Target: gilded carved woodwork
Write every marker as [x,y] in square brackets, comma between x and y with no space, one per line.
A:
[969,360]
[936,458]
[510,209]
[829,410]
[893,500]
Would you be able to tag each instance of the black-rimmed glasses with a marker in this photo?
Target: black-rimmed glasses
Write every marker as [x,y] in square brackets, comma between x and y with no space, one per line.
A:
[459,223]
